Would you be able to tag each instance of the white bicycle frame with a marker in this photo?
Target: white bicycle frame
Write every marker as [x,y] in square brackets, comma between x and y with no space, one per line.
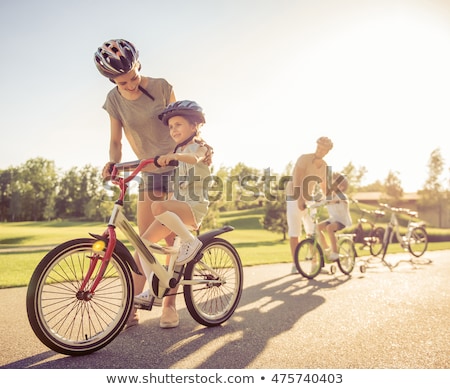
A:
[166,279]
[119,220]
[394,228]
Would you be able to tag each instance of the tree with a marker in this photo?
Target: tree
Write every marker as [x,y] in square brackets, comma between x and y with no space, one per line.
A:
[5,194]
[80,193]
[38,179]
[393,186]
[68,192]
[376,186]
[432,196]
[354,176]
[243,185]
[275,217]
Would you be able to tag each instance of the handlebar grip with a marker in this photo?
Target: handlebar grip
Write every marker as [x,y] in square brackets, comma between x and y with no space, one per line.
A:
[111,167]
[171,163]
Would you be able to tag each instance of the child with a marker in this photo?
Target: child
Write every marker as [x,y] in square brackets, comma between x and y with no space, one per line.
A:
[183,212]
[339,215]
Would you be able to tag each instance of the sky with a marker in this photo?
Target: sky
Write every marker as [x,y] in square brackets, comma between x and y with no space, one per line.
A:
[272,77]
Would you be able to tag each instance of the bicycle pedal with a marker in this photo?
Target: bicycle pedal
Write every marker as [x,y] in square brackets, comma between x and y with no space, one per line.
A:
[146,307]
[153,302]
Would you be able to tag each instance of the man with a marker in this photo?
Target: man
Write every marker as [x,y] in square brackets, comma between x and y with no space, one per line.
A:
[310,172]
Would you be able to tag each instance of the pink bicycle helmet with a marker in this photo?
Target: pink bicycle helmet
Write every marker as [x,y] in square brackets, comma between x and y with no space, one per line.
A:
[116,57]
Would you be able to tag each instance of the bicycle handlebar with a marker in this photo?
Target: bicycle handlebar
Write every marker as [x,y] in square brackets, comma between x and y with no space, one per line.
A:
[136,166]
[318,204]
[376,212]
[400,210]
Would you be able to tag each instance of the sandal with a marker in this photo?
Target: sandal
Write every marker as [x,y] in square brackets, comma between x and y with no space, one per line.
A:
[169,318]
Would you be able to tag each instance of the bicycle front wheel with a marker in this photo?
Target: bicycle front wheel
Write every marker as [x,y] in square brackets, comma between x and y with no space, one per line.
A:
[308,258]
[347,255]
[376,241]
[68,320]
[418,241]
[215,283]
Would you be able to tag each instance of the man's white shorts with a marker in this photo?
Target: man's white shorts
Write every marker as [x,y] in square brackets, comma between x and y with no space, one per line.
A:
[297,218]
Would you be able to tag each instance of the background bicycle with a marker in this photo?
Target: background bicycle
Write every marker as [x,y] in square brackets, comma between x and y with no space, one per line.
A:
[81,293]
[413,238]
[367,232]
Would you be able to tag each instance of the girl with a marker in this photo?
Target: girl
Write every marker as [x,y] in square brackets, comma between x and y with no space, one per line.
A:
[184,211]
[339,211]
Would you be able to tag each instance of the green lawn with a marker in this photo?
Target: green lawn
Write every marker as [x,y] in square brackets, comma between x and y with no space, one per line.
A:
[254,244]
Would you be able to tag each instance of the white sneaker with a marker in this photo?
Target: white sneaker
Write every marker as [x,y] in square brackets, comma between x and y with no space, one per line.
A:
[188,250]
[145,298]
[334,257]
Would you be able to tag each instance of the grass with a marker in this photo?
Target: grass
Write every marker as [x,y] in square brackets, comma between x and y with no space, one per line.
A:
[255,245]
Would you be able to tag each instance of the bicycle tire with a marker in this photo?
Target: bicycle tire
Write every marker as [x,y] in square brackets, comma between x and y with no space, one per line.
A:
[347,254]
[213,304]
[74,325]
[308,258]
[376,241]
[418,241]
[386,241]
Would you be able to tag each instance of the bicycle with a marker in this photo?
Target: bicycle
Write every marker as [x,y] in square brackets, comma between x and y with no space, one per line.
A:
[415,240]
[81,293]
[310,258]
[373,239]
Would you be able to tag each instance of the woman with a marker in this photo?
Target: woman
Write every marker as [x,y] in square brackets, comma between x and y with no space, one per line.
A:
[133,106]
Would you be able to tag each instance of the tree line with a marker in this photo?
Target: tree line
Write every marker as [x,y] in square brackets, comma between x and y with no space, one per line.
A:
[39,191]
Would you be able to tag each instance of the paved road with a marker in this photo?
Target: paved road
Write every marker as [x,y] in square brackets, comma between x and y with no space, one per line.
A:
[377,319]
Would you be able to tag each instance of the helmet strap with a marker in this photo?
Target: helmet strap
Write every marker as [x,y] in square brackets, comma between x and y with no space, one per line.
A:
[185,142]
[146,93]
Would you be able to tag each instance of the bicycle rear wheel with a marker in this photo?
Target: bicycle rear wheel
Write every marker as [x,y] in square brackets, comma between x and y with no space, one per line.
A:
[418,241]
[70,321]
[376,241]
[347,255]
[215,296]
[308,258]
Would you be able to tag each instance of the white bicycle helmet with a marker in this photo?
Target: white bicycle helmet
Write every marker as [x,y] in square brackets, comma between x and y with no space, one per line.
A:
[116,57]
[325,142]
[185,108]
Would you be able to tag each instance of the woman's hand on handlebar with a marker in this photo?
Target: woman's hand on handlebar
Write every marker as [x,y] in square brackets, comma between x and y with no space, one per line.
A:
[107,170]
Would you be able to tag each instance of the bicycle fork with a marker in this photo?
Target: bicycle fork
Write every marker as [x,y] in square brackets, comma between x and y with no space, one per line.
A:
[109,241]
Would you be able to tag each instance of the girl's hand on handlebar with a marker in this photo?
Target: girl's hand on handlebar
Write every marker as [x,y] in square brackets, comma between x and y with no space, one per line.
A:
[166,160]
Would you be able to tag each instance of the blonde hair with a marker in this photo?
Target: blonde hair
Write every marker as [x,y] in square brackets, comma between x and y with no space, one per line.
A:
[198,138]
